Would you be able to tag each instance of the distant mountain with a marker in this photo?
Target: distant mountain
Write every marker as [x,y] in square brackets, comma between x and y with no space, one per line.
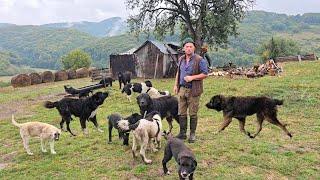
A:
[108,27]
[6,25]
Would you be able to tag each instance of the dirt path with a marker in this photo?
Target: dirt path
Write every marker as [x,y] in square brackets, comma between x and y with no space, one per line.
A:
[23,106]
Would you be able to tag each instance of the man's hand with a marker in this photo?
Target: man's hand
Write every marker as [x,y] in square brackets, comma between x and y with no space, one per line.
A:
[188,78]
[175,89]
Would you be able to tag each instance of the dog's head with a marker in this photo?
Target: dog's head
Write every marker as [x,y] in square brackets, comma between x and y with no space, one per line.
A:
[187,165]
[127,89]
[216,102]
[133,118]
[144,100]
[120,75]
[167,135]
[148,83]
[137,87]
[56,134]
[99,97]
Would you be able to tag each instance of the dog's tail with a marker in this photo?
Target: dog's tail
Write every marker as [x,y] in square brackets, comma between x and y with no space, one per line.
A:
[278,102]
[125,126]
[50,105]
[14,122]
[164,93]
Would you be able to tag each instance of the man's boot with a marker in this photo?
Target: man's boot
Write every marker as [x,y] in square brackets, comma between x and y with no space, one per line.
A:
[193,127]
[183,128]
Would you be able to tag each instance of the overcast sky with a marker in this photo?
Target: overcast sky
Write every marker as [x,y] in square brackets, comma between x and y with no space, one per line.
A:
[49,11]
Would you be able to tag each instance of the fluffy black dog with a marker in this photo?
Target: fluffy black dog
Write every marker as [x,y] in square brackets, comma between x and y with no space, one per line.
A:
[182,154]
[167,106]
[85,109]
[241,107]
[113,120]
[124,78]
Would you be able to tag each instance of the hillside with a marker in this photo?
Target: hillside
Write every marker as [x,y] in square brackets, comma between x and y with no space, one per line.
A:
[42,46]
[228,155]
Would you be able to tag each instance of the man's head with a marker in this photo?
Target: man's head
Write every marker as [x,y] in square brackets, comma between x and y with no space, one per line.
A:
[188,46]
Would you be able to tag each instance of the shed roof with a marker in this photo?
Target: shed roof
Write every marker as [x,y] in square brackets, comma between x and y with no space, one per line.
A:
[163,47]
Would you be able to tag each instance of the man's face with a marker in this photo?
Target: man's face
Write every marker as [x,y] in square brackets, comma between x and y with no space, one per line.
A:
[189,48]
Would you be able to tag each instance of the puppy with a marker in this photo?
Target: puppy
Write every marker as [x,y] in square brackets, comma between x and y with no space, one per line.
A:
[182,154]
[85,109]
[113,120]
[143,133]
[124,78]
[241,107]
[167,106]
[45,132]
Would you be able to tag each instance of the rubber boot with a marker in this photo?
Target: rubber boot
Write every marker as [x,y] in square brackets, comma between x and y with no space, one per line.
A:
[193,127]
[183,128]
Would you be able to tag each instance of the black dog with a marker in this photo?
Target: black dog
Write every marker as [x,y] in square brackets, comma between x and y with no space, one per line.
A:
[166,105]
[241,107]
[113,120]
[81,93]
[85,109]
[107,81]
[182,154]
[124,78]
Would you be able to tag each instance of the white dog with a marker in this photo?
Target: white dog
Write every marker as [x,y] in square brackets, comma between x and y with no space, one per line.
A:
[143,133]
[46,132]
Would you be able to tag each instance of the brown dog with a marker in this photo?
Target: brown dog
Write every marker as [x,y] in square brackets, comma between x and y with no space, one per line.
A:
[241,107]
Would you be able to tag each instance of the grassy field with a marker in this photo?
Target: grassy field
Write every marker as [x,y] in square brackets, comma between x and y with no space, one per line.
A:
[228,155]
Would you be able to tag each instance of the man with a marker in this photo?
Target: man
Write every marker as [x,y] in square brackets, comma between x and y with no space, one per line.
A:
[189,87]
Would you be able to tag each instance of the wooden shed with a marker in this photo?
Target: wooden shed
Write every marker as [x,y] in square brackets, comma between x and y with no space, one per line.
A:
[156,60]
[152,59]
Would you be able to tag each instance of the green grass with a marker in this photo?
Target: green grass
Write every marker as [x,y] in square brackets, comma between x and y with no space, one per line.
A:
[228,155]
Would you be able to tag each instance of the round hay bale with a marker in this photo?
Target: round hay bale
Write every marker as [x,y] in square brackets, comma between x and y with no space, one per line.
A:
[60,76]
[91,69]
[21,80]
[71,74]
[47,76]
[82,73]
[35,78]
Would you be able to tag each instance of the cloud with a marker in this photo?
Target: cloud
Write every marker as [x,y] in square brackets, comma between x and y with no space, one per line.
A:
[49,11]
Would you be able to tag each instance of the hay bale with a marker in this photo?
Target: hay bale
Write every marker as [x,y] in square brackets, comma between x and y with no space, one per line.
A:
[71,74]
[91,69]
[47,76]
[35,78]
[60,76]
[82,73]
[21,80]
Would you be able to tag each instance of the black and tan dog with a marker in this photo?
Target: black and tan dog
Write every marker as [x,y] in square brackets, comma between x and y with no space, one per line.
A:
[182,154]
[85,109]
[241,107]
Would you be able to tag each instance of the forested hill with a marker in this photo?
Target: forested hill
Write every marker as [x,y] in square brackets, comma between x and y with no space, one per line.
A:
[42,46]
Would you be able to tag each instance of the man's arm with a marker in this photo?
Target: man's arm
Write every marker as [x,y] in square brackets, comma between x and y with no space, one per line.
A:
[203,72]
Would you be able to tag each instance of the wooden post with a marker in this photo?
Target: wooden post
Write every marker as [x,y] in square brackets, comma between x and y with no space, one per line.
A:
[155,70]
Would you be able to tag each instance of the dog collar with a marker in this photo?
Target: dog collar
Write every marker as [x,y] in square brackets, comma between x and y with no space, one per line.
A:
[148,90]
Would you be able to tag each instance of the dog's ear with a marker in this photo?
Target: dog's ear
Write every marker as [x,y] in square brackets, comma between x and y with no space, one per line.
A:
[194,164]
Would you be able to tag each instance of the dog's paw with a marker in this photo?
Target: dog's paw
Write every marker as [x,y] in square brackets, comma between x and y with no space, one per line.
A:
[30,153]
[148,161]
[100,130]
[167,173]
[53,152]
[44,150]
[109,142]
